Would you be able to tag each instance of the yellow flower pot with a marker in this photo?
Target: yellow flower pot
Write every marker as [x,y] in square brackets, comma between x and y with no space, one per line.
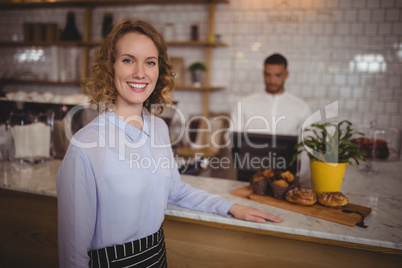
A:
[327,177]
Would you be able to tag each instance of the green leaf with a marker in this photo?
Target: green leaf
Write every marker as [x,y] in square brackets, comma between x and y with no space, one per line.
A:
[338,147]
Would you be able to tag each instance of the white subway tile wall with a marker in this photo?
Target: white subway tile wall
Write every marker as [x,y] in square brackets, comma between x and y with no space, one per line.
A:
[338,50]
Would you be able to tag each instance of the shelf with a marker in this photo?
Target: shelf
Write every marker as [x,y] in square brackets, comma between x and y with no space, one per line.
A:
[86,44]
[4,99]
[49,43]
[193,88]
[173,43]
[196,43]
[98,43]
[93,3]
[42,82]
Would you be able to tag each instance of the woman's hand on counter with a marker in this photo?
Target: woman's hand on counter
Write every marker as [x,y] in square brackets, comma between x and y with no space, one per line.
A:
[252,214]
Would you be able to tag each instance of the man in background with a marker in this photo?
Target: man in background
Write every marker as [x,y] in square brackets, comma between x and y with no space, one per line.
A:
[274,111]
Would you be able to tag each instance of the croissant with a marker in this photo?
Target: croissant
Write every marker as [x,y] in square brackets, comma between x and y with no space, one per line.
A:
[301,196]
[333,199]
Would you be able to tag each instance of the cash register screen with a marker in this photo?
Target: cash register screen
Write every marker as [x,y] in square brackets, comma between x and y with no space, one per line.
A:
[255,151]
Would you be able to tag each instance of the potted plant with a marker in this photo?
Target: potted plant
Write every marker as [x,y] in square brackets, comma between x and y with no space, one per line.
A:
[330,148]
[197,70]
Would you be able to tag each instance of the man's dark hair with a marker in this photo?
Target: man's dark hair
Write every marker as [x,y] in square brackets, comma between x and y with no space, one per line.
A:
[276,59]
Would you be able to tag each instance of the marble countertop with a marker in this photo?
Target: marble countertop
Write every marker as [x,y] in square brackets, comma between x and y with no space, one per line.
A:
[382,192]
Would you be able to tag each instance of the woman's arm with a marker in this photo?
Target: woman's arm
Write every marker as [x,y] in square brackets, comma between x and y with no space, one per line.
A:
[76,198]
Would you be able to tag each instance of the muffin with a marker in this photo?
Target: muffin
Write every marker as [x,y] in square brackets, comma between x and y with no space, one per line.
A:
[274,183]
[259,184]
[281,184]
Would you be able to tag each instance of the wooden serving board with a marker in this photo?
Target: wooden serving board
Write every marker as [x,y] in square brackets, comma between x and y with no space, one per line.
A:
[316,210]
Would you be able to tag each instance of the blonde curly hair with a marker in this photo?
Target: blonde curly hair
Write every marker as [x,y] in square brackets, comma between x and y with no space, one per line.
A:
[100,85]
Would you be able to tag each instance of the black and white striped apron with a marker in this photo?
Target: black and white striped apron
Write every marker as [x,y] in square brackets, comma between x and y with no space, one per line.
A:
[148,251]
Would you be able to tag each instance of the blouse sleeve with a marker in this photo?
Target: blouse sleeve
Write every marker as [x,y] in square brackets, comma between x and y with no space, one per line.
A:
[182,194]
[76,195]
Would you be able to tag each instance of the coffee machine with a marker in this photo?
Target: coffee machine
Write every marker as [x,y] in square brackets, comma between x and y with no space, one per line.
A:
[57,116]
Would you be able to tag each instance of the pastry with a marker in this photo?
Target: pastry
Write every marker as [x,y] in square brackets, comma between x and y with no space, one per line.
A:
[332,199]
[268,173]
[381,150]
[288,176]
[281,183]
[257,179]
[259,185]
[278,188]
[301,196]
[272,182]
[373,148]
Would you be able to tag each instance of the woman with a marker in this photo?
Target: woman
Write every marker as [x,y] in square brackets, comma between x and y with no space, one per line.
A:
[118,173]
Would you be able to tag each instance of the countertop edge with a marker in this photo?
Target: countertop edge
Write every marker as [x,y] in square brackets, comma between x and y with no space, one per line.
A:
[273,229]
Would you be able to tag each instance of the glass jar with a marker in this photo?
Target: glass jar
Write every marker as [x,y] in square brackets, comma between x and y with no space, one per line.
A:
[31,135]
[378,145]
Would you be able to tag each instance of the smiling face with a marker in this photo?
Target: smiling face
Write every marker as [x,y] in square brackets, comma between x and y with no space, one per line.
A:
[274,78]
[136,72]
